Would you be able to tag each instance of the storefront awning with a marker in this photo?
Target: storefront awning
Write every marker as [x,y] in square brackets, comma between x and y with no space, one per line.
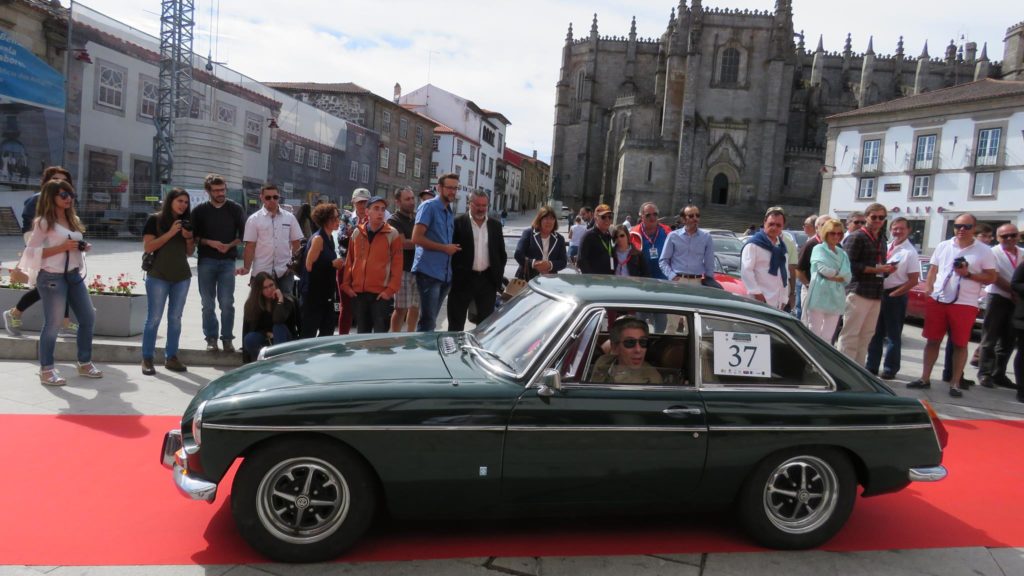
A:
[27,79]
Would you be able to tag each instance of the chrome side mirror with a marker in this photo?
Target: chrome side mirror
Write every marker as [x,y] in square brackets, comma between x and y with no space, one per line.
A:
[550,382]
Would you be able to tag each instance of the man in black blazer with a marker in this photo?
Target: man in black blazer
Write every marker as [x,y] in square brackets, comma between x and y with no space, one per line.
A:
[477,269]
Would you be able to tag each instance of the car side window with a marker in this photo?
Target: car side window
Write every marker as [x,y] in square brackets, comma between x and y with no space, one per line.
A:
[666,356]
[745,354]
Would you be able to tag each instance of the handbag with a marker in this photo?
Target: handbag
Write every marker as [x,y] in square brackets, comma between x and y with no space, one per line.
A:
[148,259]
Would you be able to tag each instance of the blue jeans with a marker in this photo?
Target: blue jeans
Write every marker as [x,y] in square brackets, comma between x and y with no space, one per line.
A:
[253,341]
[798,310]
[159,293]
[888,331]
[217,281]
[57,291]
[432,294]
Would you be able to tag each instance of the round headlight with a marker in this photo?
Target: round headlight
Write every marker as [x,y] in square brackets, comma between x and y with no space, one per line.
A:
[197,424]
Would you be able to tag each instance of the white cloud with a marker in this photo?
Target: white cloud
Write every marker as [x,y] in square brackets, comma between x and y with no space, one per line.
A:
[506,56]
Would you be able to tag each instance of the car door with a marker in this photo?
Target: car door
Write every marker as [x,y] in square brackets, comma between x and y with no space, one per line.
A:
[604,443]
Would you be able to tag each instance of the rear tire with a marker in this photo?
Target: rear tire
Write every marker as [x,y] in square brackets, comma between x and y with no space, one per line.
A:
[303,500]
[798,498]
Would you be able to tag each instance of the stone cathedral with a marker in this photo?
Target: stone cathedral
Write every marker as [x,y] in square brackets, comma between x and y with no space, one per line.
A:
[726,108]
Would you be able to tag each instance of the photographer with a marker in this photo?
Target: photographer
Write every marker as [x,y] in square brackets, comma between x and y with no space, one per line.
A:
[168,233]
[960,267]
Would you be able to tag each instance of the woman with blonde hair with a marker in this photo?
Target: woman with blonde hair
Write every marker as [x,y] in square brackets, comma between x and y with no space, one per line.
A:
[55,255]
[830,273]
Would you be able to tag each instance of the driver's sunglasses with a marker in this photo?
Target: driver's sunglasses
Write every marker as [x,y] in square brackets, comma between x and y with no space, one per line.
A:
[632,342]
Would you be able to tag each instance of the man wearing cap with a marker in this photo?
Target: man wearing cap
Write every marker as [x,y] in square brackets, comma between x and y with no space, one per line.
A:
[271,237]
[373,269]
[360,196]
[435,224]
[407,301]
[597,249]
[763,266]
[689,255]
[478,268]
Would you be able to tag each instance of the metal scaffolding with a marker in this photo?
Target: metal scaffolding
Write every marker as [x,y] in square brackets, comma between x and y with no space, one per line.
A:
[175,89]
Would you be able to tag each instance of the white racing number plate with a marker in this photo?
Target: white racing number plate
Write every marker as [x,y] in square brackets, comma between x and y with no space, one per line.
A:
[743,354]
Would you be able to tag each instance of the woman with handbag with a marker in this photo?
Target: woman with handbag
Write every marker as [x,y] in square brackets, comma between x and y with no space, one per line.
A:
[541,249]
[168,235]
[269,316]
[55,254]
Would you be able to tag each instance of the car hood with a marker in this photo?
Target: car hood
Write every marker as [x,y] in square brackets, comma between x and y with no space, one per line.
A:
[336,360]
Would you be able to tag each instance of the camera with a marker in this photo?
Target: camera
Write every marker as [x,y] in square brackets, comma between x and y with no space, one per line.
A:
[82,245]
[960,262]
[186,224]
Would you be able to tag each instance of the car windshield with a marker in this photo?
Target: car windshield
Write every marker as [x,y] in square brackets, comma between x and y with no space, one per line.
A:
[522,328]
[726,244]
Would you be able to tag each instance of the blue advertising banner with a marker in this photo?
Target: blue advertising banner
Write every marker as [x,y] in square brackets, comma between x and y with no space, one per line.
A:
[26,79]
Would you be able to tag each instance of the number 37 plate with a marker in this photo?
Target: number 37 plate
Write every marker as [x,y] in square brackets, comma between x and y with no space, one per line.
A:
[742,354]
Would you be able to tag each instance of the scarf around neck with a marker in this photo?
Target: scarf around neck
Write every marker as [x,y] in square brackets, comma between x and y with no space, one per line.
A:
[777,266]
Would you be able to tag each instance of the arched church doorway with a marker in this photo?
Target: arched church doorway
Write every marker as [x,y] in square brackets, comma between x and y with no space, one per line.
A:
[720,189]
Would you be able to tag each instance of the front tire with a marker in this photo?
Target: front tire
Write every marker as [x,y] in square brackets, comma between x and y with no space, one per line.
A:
[798,498]
[303,500]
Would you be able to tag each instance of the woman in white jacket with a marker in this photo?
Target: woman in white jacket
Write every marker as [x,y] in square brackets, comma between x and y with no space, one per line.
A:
[55,253]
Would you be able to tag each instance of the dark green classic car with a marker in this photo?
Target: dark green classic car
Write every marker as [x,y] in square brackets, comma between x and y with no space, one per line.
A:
[747,409]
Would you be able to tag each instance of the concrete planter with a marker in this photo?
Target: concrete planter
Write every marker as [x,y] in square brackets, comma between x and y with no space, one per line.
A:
[117,316]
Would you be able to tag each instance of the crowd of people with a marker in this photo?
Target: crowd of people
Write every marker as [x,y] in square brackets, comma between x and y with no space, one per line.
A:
[319,274]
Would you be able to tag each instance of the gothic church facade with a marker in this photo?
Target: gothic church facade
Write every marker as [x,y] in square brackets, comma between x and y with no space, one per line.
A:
[726,108]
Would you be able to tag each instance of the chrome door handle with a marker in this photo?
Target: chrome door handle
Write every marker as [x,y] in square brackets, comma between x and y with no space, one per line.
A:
[675,412]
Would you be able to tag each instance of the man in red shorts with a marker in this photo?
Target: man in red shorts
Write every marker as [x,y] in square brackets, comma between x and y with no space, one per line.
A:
[960,267]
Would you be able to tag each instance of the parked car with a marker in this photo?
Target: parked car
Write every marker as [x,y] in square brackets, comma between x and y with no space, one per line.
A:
[752,412]
[728,249]
[917,298]
[730,282]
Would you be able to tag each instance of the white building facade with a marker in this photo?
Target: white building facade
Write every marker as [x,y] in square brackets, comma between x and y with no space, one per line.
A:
[482,133]
[930,158]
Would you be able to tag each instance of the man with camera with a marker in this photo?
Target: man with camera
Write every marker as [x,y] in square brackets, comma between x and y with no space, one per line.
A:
[271,237]
[219,224]
[960,267]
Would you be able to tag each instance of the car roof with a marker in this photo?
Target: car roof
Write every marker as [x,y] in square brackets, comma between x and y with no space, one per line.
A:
[601,288]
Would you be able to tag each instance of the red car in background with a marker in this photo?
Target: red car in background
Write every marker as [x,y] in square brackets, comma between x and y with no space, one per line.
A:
[731,284]
[918,298]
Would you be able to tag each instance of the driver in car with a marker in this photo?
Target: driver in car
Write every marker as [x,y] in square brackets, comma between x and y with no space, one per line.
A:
[625,363]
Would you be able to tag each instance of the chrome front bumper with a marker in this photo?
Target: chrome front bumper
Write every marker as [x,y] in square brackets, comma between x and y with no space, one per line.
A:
[173,456]
[929,474]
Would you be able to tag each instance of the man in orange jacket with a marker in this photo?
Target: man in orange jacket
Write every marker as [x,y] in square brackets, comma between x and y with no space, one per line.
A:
[373,269]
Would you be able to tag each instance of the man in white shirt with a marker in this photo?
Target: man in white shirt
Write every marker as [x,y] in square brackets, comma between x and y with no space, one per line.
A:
[998,334]
[960,267]
[478,267]
[271,237]
[901,253]
[763,266]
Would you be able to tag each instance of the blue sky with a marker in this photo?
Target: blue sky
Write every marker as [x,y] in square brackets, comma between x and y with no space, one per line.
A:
[506,55]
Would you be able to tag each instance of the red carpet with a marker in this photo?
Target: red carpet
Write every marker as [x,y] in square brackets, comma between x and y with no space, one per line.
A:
[89,490]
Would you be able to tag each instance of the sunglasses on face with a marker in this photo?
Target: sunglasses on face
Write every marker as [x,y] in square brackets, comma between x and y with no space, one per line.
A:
[877,218]
[64,194]
[632,342]
[963,226]
[860,222]
[1008,236]
[606,216]
[271,197]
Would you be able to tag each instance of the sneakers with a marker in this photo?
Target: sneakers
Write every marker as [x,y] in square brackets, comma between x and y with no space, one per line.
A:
[69,330]
[147,367]
[12,324]
[211,345]
[175,365]
[919,385]
[89,370]
[227,346]
[51,378]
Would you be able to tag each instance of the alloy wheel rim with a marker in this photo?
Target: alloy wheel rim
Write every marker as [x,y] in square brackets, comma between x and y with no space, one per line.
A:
[801,494]
[303,500]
